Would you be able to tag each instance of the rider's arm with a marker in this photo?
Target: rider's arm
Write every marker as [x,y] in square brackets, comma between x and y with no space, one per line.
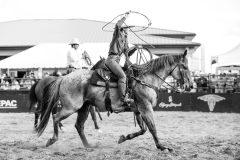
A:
[122,20]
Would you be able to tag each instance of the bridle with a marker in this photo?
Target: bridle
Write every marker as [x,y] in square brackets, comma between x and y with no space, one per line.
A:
[170,74]
[180,72]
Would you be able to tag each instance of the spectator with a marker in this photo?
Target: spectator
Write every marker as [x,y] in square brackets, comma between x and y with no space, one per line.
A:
[237,85]
[57,73]
[213,83]
[202,84]
[5,85]
[15,84]
[194,89]
[33,77]
[5,81]
[229,85]
[46,74]
[27,82]
[222,83]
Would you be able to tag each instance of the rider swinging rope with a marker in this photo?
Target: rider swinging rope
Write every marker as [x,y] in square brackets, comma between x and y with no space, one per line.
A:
[77,94]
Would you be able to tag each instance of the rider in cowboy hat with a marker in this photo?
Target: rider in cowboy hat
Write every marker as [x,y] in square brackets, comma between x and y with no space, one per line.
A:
[119,46]
[77,57]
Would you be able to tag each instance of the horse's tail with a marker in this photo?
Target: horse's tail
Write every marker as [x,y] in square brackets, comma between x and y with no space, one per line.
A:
[32,96]
[49,101]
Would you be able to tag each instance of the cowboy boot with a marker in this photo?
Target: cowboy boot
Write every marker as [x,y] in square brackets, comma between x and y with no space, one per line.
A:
[126,101]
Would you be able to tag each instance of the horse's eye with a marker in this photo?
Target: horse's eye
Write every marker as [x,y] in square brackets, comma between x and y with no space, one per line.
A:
[184,66]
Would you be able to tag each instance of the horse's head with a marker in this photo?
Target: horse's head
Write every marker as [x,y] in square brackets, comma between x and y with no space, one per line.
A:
[181,72]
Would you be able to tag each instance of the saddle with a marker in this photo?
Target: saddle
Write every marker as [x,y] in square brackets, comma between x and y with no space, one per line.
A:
[104,77]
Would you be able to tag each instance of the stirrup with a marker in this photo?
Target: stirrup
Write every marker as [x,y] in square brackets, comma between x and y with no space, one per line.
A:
[127,102]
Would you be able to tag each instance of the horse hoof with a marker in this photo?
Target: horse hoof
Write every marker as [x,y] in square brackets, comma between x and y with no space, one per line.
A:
[50,142]
[165,149]
[170,150]
[91,146]
[121,139]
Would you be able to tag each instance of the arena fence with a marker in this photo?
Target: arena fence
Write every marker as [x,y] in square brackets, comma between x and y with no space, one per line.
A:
[18,101]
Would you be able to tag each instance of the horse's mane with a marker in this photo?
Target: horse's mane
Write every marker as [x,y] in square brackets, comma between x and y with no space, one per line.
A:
[156,64]
[99,64]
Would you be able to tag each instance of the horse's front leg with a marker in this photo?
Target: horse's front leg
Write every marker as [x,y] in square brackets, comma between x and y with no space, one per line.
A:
[147,116]
[136,134]
[94,117]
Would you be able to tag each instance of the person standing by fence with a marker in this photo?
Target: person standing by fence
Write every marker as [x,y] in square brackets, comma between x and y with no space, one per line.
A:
[77,57]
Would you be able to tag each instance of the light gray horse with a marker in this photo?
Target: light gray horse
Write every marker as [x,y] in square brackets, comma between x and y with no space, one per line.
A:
[77,94]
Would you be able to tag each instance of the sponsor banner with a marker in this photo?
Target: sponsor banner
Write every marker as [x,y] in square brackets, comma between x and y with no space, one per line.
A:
[18,101]
[14,101]
[173,102]
[236,102]
[199,102]
[8,104]
[212,102]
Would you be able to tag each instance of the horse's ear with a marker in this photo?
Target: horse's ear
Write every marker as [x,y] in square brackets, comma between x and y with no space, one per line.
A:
[185,52]
[101,57]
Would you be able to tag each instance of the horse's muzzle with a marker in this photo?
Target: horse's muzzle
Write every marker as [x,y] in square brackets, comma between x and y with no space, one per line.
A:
[187,87]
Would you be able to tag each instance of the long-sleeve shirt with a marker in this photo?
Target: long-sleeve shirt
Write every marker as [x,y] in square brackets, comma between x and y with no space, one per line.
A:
[119,43]
[76,59]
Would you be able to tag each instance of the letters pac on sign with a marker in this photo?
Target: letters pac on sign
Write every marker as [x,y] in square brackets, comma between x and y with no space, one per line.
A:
[8,104]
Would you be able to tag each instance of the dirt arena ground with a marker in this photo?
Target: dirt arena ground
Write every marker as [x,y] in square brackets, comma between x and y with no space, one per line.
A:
[192,135]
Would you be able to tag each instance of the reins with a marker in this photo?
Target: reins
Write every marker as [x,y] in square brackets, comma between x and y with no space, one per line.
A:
[157,89]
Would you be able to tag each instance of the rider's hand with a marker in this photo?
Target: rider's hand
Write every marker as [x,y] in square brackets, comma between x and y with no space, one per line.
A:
[127,13]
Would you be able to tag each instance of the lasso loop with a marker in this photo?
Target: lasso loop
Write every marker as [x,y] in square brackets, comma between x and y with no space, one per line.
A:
[130,27]
[143,28]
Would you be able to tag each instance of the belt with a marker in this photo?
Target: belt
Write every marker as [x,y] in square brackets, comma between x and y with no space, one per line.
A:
[113,54]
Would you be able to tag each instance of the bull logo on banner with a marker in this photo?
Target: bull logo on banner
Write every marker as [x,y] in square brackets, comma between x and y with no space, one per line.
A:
[211,99]
[171,104]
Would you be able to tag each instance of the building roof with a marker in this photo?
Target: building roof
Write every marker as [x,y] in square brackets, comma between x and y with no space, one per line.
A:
[33,32]
[51,55]
[230,58]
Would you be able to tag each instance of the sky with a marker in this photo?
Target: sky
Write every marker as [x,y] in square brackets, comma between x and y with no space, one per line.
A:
[215,22]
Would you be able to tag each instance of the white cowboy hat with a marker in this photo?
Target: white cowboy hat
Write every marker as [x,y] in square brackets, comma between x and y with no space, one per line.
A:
[74,41]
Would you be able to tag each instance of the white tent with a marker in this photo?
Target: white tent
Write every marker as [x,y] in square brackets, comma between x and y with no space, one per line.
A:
[51,55]
[230,58]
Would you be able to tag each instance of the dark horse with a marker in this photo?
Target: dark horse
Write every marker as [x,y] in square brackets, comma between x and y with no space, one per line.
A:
[77,94]
[35,98]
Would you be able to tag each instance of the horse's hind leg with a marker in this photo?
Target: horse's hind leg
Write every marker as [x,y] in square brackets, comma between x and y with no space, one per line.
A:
[147,115]
[59,116]
[59,107]
[55,127]
[79,125]
[136,134]
[37,115]
[36,121]
[94,117]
